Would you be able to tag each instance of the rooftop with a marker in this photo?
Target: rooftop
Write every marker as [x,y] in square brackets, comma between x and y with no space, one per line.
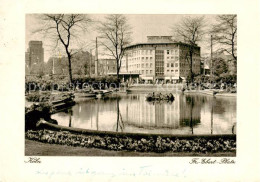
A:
[158,40]
[154,44]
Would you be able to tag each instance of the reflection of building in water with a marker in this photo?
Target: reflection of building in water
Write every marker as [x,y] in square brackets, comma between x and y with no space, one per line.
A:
[162,114]
[190,108]
[92,112]
[141,114]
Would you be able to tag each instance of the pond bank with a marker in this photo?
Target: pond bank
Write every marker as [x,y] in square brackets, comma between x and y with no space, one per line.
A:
[35,148]
[42,124]
[126,143]
[215,93]
[177,88]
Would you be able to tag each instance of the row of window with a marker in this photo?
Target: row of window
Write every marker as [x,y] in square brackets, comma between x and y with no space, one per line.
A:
[172,64]
[140,58]
[160,64]
[161,57]
[147,72]
[182,71]
[140,52]
[168,71]
[172,57]
[159,72]
[172,51]
[147,65]
[151,58]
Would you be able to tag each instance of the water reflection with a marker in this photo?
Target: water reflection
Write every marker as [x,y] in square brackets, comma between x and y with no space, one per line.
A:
[187,114]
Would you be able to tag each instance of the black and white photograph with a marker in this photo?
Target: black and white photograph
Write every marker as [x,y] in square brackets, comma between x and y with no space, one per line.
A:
[130,85]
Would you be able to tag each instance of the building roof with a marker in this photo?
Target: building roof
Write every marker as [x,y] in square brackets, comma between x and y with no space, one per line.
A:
[35,42]
[154,44]
[124,73]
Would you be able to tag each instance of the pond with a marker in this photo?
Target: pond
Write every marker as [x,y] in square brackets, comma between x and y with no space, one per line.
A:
[131,113]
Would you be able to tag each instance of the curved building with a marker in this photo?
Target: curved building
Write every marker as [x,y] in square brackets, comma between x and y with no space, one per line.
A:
[160,58]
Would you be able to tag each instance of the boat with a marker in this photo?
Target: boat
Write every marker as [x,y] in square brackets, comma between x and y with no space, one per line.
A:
[102,93]
[159,97]
[61,101]
[123,91]
[206,92]
[85,94]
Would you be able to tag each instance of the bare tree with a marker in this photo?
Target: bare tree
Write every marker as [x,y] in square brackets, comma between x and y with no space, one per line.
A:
[225,33]
[190,30]
[115,35]
[64,30]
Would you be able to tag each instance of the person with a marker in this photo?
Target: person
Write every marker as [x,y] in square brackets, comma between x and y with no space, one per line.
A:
[160,95]
[171,96]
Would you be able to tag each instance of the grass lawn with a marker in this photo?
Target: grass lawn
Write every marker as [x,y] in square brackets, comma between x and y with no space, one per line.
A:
[35,148]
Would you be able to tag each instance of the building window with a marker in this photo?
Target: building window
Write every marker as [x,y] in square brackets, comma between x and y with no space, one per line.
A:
[168,51]
[151,72]
[172,71]
[168,64]
[176,64]
[172,65]
[176,70]
[146,65]
[142,71]
[168,70]
[146,58]
[146,71]
[151,64]
[151,58]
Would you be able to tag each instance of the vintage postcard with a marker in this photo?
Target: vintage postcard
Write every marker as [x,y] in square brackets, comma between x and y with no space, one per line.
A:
[143,85]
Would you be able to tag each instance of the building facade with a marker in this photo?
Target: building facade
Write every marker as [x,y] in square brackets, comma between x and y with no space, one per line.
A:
[160,59]
[106,66]
[34,57]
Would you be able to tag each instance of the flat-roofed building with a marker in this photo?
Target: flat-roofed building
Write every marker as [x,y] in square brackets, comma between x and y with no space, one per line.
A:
[34,57]
[106,66]
[160,58]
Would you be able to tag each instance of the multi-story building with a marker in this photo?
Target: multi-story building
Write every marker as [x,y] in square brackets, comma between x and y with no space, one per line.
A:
[106,66]
[160,58]
[34,57]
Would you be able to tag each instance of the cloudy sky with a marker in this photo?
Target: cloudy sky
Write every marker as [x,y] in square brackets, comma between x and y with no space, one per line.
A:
[142,25]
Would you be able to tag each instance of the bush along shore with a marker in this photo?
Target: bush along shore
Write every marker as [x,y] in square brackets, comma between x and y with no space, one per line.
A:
[156,144]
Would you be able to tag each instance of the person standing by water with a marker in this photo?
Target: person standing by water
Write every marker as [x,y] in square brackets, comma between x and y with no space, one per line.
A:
[171,97]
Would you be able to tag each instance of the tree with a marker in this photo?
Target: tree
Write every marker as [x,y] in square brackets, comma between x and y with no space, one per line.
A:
[64,29]
[190,30]
[115,35]
[219,66]
[225,33]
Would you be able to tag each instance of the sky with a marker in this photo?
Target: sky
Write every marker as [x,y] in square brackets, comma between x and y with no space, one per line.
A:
[142,25]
